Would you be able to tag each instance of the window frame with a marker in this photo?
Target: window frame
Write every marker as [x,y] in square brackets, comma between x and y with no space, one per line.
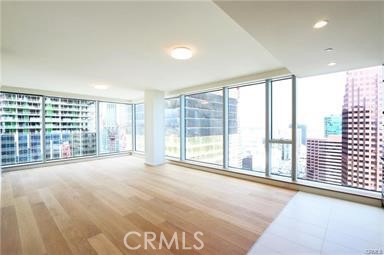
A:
[180,125]
[44,161]
[256,83]
[42,131]
[98,128]
[134,133]
[225,105]
[96,119]
[269,140]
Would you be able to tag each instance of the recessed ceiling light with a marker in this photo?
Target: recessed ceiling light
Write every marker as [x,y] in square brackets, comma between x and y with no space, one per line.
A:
[181,53]
[320,24]
[328,49]
[101,86]
[332,64]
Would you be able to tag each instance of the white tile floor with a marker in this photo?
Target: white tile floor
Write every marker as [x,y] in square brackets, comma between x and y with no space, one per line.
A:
[312,224]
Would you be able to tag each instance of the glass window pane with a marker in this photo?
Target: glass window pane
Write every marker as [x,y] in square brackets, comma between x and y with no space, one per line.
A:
[115,122]
[172,127]
[247,127]
[204,127]
[342,144]
[139,127]
[281,159]
[282,109]
[21,136]
[70,128]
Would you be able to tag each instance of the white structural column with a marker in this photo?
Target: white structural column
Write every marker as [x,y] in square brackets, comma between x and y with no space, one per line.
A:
[154,127]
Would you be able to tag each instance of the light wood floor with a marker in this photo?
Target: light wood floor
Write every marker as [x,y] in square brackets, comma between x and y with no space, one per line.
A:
[88,207]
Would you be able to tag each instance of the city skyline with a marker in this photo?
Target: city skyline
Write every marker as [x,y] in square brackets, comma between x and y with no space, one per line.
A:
[354,155]
[352,102]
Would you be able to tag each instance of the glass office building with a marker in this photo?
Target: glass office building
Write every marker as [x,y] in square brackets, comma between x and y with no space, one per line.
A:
[70,128]
[172,127]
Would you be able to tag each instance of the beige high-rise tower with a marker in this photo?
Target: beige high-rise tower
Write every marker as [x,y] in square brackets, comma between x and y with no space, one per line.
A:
[362,129]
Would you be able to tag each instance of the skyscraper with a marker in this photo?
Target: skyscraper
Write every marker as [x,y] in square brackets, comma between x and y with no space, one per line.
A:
[20,128]
[324,160]
[204,122]
[172,127]
[109,132]
[362,126]
[69,128]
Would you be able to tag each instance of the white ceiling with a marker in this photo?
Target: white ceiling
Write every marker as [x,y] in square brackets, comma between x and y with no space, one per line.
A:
[68,46]
[355,31]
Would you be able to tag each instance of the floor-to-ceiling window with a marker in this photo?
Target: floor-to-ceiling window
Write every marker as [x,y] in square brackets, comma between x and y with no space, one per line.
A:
[115,127]
[172,127]
[204,127]
[281,127]
[139,128]
[70,128]
[340,128]
[246,127]
[21,128]
[339,138]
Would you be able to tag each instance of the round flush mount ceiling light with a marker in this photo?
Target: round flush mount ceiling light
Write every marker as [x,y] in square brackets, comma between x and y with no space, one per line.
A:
[181,53]
[320,24]
[101,86]
[332,64]
[329,49]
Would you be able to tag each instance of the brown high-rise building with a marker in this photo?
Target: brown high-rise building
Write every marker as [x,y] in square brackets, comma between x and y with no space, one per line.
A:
[324,160]
[362,126]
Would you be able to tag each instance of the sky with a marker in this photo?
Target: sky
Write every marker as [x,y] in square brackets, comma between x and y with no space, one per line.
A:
[317,97]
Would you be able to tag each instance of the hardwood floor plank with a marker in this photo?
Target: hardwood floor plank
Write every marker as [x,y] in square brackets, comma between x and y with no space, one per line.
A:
[253,225]
[226,230]
[10,236]
[76,239]
[146,226]
[6,191]
[17,184]
[115,201]
[103,246]
[88,207]
[149,215]
[69,200]
[110,223]
[31,240]
[52,237]
[34,197]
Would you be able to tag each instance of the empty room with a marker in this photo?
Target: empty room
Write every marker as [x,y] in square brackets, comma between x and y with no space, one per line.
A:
[192,127]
